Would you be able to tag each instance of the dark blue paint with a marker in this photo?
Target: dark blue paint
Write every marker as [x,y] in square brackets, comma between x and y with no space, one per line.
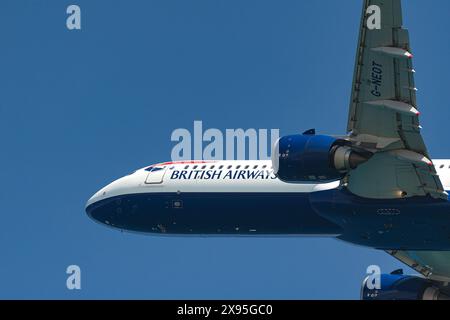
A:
[306,158]
[397,287]
[213,213]
[417,223]
[420,223]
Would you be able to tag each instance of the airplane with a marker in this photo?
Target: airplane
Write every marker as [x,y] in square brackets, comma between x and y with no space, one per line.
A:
[375,186]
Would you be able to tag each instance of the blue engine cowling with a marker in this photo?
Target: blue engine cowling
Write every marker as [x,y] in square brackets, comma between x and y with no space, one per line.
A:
[310,157]
[402,287]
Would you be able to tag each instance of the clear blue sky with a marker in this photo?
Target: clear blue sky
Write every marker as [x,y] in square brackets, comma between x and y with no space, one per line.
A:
[81,108]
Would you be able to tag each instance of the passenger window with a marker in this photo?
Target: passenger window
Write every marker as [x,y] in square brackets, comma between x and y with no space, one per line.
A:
[194,167]
[229,167]
[220,167]
[264,166]
[442,166]
[237,167]
[255,167]
[186,167]
[246,167]
[212,167]
[203,167]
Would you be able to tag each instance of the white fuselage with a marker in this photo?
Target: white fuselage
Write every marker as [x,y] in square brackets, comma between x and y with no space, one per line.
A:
[220,176]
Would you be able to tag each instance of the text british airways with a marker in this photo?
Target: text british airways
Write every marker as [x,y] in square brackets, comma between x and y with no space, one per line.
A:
[224,175]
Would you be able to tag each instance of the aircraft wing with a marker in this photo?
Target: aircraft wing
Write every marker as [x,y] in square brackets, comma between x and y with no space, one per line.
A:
[384,119]
[434,265]
[383,116]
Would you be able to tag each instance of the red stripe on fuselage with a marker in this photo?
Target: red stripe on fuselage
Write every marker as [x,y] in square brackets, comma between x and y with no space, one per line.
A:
[182,162]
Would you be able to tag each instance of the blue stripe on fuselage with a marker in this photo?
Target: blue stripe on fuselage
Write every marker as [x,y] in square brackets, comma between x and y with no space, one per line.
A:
[213,213]
[418,223]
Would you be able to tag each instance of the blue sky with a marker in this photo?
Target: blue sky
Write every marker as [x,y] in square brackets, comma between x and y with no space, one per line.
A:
[79,109]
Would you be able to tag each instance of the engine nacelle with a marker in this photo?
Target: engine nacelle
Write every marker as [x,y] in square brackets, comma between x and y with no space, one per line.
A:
[402,287]
[310,157]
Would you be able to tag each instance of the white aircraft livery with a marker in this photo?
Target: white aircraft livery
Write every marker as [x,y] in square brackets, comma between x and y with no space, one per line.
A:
[375,186]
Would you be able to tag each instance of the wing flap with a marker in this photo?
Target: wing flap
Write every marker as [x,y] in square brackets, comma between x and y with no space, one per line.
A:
[383,114]
[395,174]
[383,72]
[434,265]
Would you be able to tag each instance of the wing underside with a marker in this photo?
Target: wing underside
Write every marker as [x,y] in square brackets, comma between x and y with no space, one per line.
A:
[383,114]
[384,119]
[434,265]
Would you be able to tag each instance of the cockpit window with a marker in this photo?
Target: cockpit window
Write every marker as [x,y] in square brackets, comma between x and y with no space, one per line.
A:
[153,169]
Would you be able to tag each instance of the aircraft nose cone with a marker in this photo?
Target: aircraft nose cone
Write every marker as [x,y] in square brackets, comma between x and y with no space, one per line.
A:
[93,207]
[95,198]
[98,207]
[109,206]
[99,199]
[103,210]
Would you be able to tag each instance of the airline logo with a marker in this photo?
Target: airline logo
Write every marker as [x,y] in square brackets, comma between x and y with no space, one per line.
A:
[212,174]
[247,174]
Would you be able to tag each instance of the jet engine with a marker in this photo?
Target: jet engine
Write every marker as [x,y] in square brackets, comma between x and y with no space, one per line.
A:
[310,157]
[402,287]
